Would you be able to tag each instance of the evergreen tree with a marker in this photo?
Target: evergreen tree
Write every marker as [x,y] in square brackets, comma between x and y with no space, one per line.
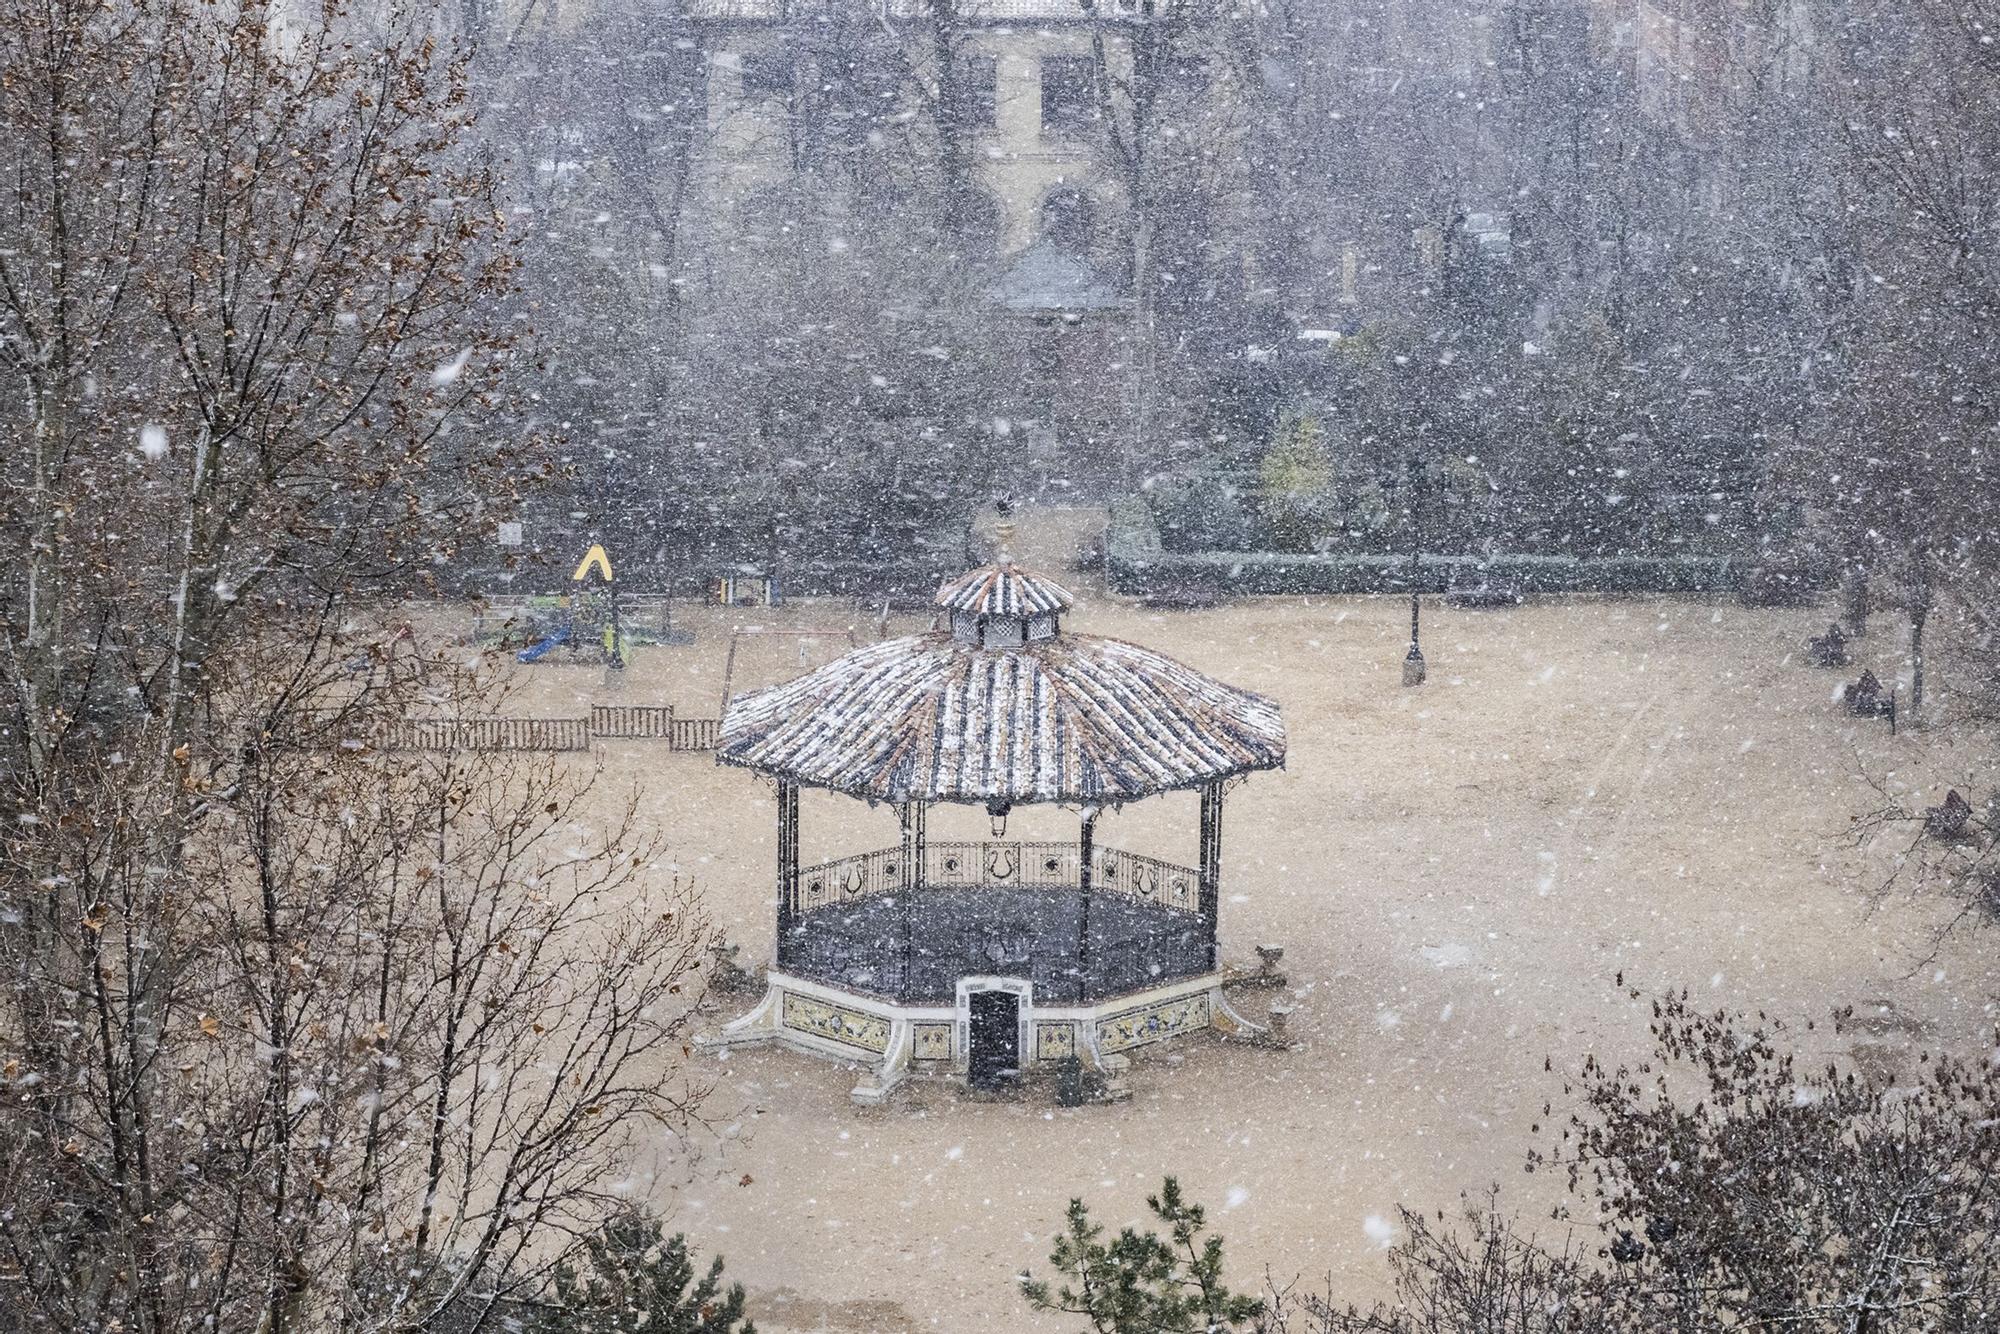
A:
[1143,1283]
[639,1279]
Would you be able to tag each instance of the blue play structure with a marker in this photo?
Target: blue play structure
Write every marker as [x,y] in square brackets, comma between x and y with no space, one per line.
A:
[556,640]
[586,618]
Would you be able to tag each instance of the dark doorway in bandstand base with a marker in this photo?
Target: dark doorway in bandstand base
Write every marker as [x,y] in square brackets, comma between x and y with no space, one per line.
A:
[995,1039]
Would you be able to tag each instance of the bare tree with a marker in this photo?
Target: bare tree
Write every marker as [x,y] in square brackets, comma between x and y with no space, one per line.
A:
[1479,1272]
[242,308]
[294,1032]
[1732,1187]
[1903,472]
[1763,1192]
[382,1057]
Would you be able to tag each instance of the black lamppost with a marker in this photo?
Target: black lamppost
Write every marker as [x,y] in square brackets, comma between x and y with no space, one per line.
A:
[1413,661]
[614,647]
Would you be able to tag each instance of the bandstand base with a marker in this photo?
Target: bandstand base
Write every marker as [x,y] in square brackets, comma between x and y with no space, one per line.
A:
[896,1041]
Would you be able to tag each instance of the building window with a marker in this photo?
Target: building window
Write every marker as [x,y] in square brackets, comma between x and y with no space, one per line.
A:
[767,74]
[1188,75]
[685,83]
[1069,97]
[978,93]
[1068,221]
[680,71]
[1428,241]
[979,227]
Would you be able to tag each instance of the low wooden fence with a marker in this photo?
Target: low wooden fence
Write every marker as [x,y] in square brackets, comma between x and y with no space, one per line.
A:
[633,721]
[639,722]
[695,734]
[486,734]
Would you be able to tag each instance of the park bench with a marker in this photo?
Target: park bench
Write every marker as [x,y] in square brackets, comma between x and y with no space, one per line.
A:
[1829,649]
[1479,587]
[1867,699]
[1950,819]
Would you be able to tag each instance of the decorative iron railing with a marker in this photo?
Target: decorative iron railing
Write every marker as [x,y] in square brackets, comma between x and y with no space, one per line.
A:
[966,865]
[1148,878]
[642,721]
[996,865]
[848,878]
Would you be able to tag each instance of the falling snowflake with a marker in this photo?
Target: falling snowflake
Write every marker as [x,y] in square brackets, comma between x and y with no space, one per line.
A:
[448,372]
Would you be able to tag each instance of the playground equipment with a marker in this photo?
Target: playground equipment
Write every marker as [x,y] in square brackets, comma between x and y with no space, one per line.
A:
[537,651]
[746,589]
[587,617]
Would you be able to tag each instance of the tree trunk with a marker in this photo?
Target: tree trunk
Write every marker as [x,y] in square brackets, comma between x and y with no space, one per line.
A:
[1919,613]
[954,162]
[1854,601]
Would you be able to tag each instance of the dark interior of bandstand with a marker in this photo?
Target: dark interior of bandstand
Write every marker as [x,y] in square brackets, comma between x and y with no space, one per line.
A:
[882,924]
[914,945]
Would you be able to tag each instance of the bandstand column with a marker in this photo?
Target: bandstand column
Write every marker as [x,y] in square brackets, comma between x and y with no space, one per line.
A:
[910,879]
[1086,853]
[788,872]
[1211,866]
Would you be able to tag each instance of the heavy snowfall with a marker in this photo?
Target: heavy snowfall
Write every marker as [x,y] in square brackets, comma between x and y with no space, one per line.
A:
[1065,666]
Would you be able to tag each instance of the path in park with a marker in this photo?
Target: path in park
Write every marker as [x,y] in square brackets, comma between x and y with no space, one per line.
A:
[1586,789]
[1066,542]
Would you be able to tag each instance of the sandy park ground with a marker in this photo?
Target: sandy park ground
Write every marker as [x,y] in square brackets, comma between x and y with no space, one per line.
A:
[1585,788]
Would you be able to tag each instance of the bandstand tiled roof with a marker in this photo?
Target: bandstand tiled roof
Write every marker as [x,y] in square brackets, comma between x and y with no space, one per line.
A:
[1004,590]
[1068,718]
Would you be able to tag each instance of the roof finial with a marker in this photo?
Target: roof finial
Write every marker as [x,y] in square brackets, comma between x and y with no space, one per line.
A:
[1003,530]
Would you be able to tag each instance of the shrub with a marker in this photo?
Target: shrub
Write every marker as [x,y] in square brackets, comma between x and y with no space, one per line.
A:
[1199,511]
[1296,500]
[1791,577]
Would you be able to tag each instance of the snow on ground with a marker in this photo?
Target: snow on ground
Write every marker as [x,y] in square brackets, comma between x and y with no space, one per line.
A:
[1585,788]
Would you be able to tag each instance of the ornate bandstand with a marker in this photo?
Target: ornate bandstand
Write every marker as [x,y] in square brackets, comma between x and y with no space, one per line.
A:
[984,958]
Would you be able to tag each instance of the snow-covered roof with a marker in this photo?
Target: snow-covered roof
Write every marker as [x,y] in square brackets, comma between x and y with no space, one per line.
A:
[1073,718]
[1045,277]
[1004,590]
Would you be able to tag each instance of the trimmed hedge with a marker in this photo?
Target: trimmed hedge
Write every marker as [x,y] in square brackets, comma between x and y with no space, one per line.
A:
[1138,565]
